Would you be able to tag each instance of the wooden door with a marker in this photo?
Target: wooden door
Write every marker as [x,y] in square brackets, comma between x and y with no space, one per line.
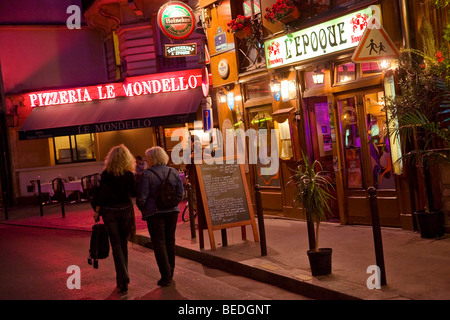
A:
[366,158]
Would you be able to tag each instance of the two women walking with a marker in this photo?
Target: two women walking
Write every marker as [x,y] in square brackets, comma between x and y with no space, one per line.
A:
[114,204]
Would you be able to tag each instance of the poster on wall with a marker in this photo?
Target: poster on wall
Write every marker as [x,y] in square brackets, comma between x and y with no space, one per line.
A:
[354,170]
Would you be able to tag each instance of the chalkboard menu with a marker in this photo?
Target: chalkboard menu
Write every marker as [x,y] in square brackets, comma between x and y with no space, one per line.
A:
[225,196]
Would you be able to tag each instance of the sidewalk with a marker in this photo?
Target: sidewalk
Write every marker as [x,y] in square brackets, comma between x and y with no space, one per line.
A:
[416,268]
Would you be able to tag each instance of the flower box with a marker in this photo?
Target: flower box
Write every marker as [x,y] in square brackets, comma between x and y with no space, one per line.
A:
[294,15]
[244,33]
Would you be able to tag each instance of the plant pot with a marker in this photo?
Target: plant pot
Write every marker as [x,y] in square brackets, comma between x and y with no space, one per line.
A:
[430,224]
[320,261]
[294,15]
[244,33]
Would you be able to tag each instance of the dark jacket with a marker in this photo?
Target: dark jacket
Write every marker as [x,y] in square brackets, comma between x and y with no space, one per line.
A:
[149,185]
[115,191]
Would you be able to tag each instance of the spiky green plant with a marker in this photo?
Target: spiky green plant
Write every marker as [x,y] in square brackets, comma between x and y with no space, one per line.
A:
[313,192]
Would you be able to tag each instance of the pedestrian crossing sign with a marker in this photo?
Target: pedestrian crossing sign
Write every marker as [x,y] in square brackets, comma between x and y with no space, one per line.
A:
[375,44]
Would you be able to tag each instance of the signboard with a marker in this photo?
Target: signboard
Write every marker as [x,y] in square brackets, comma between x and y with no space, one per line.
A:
[375,45]
[226,197]
[176,20]
[332,36]
[180,50]
[220,40]
[133,86]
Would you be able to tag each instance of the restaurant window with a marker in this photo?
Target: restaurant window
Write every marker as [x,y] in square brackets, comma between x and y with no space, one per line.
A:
[261,119]
[345,72]
[257,90]
[370,69]
[76,148]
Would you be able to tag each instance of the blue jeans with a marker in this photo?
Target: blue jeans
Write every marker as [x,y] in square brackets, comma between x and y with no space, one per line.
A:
[119,222]
[161,227]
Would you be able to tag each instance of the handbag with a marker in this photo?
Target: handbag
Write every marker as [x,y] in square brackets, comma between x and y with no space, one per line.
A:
[99,244]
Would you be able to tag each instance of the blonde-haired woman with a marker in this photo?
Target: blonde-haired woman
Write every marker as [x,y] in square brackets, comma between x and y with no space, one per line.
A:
[113,203]
[161,222]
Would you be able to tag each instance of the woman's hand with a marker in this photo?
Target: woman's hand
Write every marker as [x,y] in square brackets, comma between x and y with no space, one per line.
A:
[96,215]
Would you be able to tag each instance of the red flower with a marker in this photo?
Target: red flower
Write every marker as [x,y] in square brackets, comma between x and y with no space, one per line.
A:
[439,56]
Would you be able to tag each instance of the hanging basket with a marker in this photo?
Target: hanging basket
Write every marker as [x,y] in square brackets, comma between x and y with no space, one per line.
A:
[294,15]
[244,33]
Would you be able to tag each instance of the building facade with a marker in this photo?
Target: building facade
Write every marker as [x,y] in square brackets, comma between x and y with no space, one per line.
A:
[297,78]
[79,77]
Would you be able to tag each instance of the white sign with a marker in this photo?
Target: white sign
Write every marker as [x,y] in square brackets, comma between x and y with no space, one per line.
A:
[332,36]
[375,45]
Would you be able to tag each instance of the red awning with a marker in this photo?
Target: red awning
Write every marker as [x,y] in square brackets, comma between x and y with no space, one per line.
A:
[113,114]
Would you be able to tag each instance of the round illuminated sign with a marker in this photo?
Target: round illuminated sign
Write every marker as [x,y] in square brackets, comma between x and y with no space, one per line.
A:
[223,68]
[176,20]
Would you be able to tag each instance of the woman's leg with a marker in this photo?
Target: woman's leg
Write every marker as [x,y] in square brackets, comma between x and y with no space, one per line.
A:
[156,227]
[117,245]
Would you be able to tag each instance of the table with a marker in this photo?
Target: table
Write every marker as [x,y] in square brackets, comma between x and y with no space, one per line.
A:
[72,186]
[46,187]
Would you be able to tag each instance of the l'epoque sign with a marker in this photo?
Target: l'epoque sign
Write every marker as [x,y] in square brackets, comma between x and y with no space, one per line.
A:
[332,36]
[133,86]
[180,50]
[176,20]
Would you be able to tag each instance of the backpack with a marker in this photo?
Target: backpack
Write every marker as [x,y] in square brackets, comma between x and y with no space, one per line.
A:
[167,196]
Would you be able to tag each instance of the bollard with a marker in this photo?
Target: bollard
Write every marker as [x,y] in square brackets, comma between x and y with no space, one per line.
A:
[41,208]
[259,212]
[5,204]
[379,256]
[190,195]
[62,198]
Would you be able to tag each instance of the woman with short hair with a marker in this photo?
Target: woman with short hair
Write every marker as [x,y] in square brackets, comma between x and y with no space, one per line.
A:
[161,222]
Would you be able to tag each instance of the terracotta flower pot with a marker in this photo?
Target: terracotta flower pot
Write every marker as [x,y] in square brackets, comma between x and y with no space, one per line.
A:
[244,33]
[294,15]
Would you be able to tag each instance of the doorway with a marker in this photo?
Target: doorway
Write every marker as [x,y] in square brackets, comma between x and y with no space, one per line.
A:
[366,157]
[321,142]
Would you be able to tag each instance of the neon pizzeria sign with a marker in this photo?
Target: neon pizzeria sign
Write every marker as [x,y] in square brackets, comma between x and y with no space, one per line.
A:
[134,86]
[332,36]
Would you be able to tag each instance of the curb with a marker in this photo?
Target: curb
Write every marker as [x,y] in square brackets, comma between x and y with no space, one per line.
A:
[265,276]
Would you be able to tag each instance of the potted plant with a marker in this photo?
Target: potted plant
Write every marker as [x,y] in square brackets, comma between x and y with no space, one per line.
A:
[313,191]
[422,108]
[284,11]
[241,26]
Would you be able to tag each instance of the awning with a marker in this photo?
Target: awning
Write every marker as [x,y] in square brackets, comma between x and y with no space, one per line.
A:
[113,114]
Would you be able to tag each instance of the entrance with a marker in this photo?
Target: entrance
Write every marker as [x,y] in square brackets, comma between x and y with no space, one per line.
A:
[365,157]
[321,144]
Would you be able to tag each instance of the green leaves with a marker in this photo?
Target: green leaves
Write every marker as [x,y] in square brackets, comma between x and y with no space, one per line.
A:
[313,189]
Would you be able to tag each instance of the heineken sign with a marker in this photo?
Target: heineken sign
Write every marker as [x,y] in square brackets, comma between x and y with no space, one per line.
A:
[332,36]
[176,20]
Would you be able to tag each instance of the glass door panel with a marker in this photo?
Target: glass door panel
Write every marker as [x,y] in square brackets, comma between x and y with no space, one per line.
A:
[379,146]
[354,178]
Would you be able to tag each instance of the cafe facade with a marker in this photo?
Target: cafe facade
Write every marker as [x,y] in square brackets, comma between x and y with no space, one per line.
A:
[321,103]
[107,83]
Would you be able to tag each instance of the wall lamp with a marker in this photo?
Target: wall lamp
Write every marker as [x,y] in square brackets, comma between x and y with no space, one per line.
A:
[318,76]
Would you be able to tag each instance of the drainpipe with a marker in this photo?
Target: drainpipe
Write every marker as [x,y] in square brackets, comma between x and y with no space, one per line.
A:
[405,24]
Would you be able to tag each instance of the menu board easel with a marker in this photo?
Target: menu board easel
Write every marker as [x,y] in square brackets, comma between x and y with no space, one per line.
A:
[225,200]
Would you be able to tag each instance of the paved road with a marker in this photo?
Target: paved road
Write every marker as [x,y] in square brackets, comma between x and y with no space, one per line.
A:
[34,265]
